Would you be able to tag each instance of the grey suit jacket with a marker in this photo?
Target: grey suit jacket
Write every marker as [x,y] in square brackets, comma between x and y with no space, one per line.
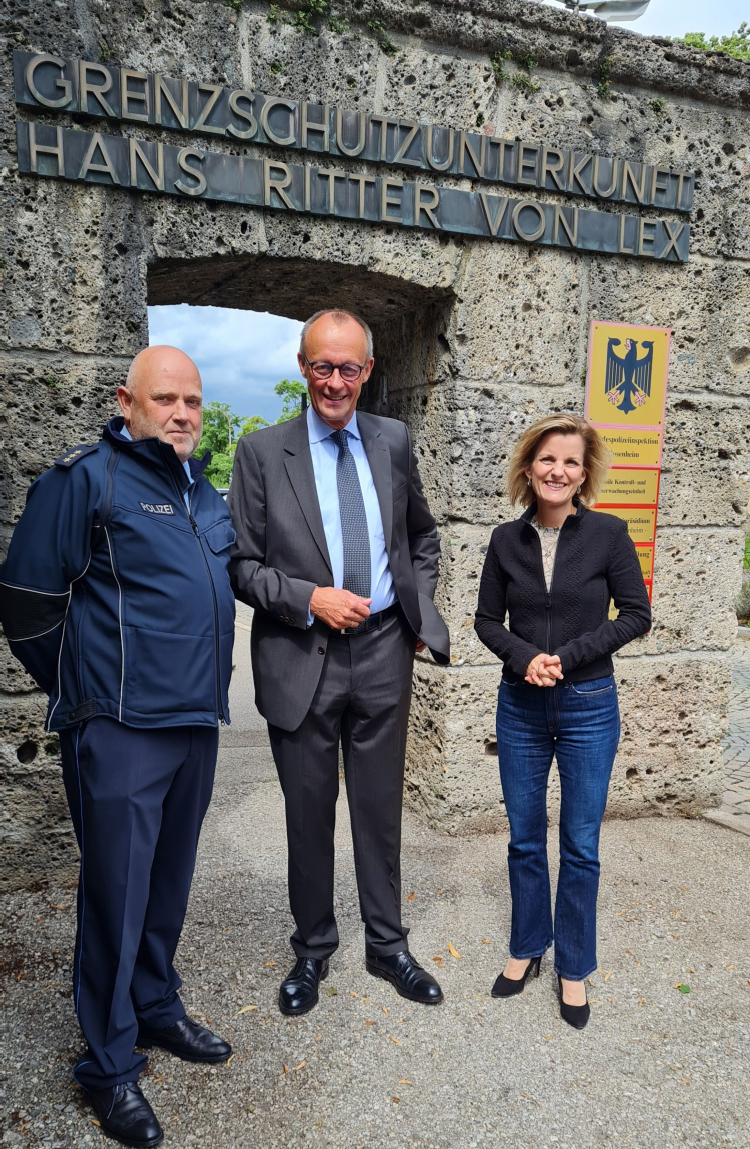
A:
[281,554]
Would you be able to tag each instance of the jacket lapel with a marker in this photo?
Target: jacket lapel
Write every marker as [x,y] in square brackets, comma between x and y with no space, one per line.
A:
[379,458]
[299,468]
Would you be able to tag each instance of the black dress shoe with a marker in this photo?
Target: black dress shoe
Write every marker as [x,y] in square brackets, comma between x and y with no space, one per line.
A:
[575,1015]
[298,992]
[508,986]
[186,1039]
[125,1114]
[405,972]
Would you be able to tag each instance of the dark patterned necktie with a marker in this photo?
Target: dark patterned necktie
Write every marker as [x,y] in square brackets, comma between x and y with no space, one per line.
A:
[354,532]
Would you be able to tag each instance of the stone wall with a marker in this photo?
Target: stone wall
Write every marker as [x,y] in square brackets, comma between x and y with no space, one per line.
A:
[477,339]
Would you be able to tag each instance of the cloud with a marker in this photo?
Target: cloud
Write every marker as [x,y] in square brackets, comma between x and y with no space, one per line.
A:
[241,355]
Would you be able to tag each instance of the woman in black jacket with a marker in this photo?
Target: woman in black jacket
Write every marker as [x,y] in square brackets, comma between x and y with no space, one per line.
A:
[554,571]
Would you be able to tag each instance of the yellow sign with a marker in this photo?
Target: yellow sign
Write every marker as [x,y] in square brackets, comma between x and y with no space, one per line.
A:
[641,523]
[646,559]
[633,448]
[629,486]
[626,395]
[627,381]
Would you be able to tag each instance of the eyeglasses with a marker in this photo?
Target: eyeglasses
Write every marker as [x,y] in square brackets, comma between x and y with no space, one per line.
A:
[349,372]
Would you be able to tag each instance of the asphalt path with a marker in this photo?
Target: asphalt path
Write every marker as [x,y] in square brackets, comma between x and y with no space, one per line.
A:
[665,1060]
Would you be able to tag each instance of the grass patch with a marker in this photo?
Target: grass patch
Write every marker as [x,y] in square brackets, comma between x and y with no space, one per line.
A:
[603,81]
[497,62]
[385,43]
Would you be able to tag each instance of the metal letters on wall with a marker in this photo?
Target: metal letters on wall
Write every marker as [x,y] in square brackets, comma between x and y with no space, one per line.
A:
[81,87]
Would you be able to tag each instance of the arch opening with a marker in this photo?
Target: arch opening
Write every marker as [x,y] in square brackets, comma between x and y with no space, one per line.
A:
[409,324]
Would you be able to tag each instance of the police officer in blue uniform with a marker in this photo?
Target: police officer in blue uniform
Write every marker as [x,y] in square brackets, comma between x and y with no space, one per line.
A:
[115,597]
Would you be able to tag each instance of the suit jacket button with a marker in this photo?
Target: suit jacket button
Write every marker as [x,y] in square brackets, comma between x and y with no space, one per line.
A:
[321,650]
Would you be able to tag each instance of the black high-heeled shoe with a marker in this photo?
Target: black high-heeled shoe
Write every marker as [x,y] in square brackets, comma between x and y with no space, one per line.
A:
[575,1015]
[508,986]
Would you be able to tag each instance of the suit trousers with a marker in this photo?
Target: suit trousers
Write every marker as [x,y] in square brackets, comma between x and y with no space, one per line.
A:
[137,799]
[361,703]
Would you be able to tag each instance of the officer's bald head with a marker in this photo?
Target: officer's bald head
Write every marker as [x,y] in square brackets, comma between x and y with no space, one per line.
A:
[161,362]
[163,398]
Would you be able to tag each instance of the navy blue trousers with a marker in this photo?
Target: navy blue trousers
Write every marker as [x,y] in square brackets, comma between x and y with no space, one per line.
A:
[137,799]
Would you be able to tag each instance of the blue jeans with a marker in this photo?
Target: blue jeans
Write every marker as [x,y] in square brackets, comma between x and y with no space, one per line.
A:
[579,724]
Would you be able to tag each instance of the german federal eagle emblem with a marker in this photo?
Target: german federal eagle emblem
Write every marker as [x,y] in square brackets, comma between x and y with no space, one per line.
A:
[628,380]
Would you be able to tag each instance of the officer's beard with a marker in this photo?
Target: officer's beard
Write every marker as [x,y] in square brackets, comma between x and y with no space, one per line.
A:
[184,442]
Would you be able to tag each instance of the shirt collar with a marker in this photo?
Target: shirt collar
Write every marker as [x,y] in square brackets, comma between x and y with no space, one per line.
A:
[318,429]
[580,511]
[126,435]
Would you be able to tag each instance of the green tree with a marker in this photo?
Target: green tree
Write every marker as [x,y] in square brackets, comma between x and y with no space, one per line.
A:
[254,423]
[219,470]
[290,391]
[222,427]
[736,44]
[220,430]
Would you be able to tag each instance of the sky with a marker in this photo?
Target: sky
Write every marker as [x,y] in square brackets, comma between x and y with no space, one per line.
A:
[241,355]
[676,17]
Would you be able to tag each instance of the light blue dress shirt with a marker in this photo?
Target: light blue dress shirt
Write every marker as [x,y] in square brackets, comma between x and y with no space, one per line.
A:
[185,494]
[325,455]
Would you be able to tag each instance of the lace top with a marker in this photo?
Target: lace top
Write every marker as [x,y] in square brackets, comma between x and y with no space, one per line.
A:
[548,537]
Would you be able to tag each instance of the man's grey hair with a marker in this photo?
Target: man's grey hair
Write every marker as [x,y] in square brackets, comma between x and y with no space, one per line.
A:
[338,315]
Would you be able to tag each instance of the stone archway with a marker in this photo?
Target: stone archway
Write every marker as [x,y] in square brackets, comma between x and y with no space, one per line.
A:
[477,338]
[409,319]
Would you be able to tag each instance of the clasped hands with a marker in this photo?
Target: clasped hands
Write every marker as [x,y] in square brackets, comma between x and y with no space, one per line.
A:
[544,670]
[340,609]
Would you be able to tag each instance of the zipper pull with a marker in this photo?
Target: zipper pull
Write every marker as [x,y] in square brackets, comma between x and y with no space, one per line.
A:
[193,524]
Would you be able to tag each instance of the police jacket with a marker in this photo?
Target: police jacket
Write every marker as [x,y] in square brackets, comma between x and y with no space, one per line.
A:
[595,562]
[114,596]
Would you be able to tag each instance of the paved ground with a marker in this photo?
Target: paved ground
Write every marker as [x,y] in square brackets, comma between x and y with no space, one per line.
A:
[657,1067]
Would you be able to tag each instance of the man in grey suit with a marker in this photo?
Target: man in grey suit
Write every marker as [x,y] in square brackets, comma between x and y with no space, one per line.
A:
[337,553]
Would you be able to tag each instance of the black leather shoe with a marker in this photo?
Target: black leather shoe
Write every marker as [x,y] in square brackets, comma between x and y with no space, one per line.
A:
[298,992]
[575,1015]
[186,1039]
[125,1115]
[508,986]
[406,974]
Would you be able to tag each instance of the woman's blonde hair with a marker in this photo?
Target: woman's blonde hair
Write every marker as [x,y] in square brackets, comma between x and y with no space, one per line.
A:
[597,458]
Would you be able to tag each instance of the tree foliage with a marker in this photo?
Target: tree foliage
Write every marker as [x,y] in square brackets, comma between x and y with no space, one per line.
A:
[223,427]
[290,391]
[736,44]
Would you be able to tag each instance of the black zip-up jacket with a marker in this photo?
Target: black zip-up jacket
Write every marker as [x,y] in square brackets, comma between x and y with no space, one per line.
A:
[115,596]
[595,562]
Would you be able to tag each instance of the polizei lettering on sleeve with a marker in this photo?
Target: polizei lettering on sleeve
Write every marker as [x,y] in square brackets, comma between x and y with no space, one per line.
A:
[158,508]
